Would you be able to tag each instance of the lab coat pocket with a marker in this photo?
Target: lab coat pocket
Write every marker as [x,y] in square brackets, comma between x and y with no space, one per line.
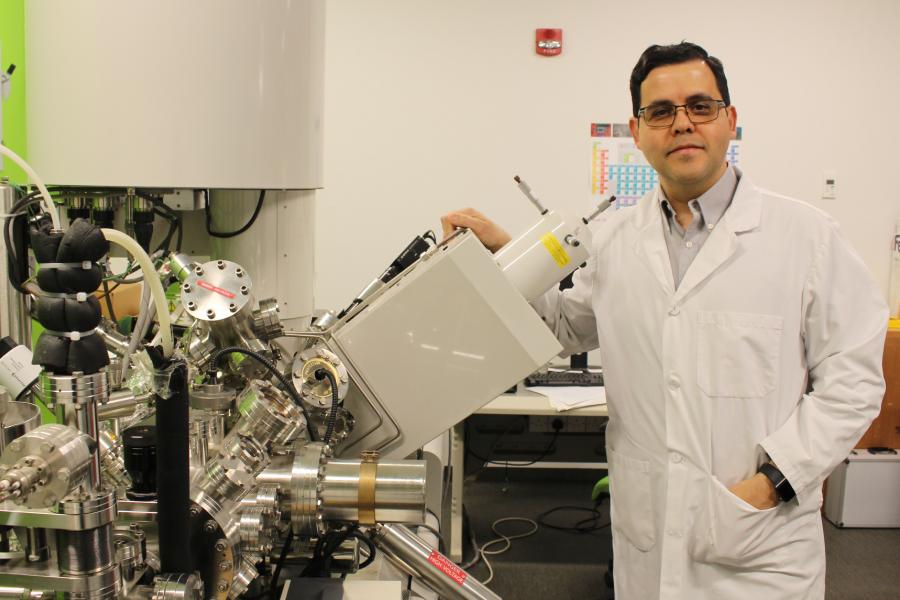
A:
[729,531]
[738,353]
[632,515]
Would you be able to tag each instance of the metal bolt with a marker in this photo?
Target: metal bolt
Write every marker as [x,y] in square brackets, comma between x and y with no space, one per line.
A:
[221,264]
[220,546]
[195,511]
[192,305]
[239,272]
[221,586]
[199,270]
[187,287]
[47,447]
[62,474]
[210,526]
[232,307]
[224,565]
[244,289]
[211,313]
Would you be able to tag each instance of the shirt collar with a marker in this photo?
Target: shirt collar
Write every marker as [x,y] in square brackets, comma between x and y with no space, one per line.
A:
[712,204]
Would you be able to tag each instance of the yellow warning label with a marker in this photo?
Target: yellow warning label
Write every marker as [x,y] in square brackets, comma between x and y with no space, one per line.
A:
[555,249]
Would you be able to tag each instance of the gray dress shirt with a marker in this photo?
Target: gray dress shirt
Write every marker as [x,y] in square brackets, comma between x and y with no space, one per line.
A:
[684,244]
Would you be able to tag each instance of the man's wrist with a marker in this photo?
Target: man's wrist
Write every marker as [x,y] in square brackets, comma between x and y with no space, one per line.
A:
[781,486]
[767,489]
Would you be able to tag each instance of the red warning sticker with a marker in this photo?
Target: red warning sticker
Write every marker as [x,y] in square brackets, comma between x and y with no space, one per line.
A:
[448,567]
[212,288]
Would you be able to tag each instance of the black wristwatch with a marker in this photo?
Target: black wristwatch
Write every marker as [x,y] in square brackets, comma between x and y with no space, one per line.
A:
[782,485]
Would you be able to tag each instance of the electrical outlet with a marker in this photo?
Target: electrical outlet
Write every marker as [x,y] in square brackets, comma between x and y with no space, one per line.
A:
[829,185]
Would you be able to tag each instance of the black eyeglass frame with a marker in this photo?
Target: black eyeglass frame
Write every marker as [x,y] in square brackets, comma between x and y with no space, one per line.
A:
[720,104]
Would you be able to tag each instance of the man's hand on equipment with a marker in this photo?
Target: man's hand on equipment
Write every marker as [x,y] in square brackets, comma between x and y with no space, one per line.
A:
[757,491]
[489,233]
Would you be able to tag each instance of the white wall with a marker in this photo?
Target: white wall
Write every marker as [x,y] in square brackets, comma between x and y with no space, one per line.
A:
[434,105]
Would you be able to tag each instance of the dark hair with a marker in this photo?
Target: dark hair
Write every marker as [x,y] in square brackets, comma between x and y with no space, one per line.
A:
[658,56]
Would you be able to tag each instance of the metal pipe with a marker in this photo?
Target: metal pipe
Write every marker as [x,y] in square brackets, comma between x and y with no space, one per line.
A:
[399,491]
[36,548]
[414,557]
[116,342]
[86,419]
[19,593]
[85,552]
[76,398]
[122,403]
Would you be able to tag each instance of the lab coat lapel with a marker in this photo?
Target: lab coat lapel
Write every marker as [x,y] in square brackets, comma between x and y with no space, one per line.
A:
[743,215]
[651,245]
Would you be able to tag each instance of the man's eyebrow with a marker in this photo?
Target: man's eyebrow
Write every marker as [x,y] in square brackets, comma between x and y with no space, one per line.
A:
[691,98]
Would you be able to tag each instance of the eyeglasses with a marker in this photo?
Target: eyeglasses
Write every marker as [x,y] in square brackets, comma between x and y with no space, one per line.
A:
[698,111]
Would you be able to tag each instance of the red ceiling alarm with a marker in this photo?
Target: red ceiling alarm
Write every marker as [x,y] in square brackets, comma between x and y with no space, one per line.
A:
[548,42]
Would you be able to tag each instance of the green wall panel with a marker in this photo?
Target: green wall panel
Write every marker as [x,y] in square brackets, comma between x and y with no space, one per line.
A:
[12,50]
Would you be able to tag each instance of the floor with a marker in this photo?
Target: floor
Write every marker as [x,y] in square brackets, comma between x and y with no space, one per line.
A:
[862,564]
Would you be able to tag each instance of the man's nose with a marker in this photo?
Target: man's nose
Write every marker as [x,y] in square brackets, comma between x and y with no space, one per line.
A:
[682,123]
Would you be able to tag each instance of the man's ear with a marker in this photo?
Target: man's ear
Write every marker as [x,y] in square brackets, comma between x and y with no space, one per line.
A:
[732,120]
[634,126]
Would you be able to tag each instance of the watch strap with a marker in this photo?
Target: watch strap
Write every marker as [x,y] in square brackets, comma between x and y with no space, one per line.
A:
[783,487]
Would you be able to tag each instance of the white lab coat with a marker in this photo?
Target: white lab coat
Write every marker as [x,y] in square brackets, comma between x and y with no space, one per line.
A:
[704,380]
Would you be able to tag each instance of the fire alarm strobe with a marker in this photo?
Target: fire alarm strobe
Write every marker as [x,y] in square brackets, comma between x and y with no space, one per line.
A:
[548,42]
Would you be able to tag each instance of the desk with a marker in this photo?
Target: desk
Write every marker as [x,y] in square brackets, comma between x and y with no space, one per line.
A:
[523,402]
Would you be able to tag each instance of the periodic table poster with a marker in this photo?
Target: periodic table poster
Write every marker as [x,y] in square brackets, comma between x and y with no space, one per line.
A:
[619,168]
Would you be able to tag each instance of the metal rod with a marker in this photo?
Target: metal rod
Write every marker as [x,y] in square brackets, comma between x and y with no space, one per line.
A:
[413,556]
[526,189]
[600,208]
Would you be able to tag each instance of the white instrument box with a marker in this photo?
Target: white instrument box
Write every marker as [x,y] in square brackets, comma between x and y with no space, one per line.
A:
[864,491]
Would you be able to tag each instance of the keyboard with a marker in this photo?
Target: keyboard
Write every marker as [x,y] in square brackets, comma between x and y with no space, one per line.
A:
[565,378]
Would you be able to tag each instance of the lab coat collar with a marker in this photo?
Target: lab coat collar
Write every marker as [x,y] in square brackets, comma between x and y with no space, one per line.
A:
[743,215]
[745,211]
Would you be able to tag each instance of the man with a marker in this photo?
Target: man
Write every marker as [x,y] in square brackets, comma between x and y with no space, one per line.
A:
[716,306]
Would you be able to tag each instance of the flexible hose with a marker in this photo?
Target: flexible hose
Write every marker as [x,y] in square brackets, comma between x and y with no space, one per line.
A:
[150,278]
[269,366]
[49,206]
[145,318]
[332,416]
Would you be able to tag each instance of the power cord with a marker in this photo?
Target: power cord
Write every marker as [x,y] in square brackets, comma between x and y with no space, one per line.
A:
[588,525]
[483,551]
[278,565]
[236,232]
[332,415]
[327,545]
[489,459]
[267,364]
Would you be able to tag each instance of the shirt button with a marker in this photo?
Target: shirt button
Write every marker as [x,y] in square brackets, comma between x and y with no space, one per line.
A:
[689,244]
[674,384]
[709,227]
[673,312]
[675,458]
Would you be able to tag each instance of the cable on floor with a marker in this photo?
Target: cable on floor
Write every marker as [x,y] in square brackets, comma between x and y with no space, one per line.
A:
[483,552]
[587,525]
